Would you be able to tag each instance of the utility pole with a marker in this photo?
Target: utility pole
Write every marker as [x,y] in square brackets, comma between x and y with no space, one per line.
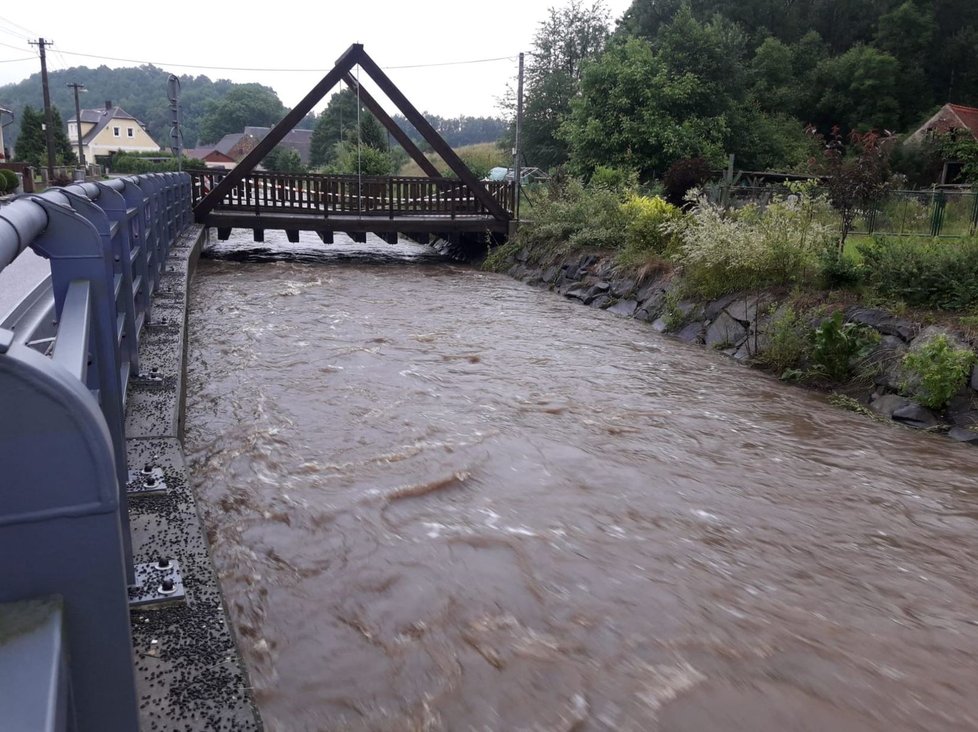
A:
[517,152]
[81,151]
[48,124]
[176,136]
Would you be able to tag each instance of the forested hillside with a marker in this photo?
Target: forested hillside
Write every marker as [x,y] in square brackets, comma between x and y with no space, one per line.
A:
[208,111]
[685,78]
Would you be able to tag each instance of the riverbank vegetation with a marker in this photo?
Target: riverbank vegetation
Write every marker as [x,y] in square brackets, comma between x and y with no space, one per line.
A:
[842,267]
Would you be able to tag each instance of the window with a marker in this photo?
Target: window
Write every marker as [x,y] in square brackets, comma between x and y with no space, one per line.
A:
[129,132]
[115,132]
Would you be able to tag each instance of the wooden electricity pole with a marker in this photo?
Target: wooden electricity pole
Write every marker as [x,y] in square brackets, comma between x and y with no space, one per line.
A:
[48,124]
[81,151]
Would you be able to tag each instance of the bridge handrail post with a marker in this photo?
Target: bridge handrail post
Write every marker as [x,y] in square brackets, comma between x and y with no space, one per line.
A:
[135,200]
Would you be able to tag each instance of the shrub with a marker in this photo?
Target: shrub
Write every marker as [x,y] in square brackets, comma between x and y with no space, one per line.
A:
[837,346]
[788,341]
[574,217]
[646,235]
[941,274]
[8,181]
[613,179]
[936,371]
[726,251]
[839,269]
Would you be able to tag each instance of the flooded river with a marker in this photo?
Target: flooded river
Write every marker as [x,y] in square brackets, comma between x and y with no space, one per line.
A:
[439,499]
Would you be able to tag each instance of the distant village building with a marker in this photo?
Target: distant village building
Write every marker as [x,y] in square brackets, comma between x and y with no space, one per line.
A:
[951,119]
[211,156]
[236,145]
[4,156]
[105,131]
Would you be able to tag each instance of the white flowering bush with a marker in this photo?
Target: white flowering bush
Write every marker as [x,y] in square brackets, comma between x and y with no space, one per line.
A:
[751,247]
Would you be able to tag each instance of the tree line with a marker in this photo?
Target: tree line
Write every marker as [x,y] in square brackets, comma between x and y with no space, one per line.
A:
[681,79]
[211,109]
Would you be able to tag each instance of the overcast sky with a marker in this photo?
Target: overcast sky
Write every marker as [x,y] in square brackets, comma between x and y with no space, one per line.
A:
[296,42]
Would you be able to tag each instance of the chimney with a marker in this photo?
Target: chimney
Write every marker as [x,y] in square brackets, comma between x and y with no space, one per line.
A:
[108,105]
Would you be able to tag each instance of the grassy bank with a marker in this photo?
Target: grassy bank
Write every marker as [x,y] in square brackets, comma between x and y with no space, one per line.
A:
[480,158]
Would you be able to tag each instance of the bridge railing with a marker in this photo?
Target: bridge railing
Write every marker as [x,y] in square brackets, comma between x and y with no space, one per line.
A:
[67,353]
[349,194]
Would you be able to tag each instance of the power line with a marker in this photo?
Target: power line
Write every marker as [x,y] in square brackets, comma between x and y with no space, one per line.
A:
[272,70]
[13,60]
[7,45]
[28,31]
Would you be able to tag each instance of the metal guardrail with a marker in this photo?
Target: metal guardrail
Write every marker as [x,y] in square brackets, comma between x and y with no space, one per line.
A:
[67,353]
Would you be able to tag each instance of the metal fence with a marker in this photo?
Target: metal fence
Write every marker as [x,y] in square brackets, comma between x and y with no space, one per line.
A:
[929,213]
[67,352]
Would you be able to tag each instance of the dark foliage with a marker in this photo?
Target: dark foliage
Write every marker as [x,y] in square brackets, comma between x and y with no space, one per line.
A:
[683,175]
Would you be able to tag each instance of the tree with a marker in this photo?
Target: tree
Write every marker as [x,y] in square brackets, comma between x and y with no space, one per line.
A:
[243,106]
[369,161]
[32,143]
[857,178]
[31,146]
[858,90]
[564,43]
[64,151]
[283,160]
[633,113]
[338,124]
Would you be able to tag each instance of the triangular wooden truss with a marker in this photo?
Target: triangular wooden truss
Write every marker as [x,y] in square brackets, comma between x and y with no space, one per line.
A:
[353,56]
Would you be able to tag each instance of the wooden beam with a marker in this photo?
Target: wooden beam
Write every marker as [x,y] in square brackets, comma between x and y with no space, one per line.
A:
[396,132]
[344,63]
[434,139]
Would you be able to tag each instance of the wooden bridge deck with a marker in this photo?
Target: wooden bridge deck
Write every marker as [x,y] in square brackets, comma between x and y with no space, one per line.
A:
[326,203]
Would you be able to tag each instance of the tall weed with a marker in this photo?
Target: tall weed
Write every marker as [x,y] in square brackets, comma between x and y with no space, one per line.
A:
[752,247]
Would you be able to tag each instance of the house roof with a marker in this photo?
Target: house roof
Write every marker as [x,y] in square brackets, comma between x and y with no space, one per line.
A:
[949,117]
[101,119]
[208,153]
[968,117]
[298,140]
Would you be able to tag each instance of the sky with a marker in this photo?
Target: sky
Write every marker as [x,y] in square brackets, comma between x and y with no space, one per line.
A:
[294,43]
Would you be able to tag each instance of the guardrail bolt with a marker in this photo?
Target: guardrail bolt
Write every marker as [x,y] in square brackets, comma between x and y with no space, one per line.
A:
[167,587]
[163,563]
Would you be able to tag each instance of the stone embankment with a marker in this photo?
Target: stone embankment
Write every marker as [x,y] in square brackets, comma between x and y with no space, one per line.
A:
[739,326]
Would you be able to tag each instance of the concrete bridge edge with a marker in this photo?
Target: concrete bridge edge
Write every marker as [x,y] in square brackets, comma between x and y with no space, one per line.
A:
[189,673]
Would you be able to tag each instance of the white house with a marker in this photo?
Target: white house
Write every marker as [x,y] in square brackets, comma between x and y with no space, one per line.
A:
[106,130]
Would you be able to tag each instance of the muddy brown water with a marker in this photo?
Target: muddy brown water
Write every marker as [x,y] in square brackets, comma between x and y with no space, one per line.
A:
[440,499]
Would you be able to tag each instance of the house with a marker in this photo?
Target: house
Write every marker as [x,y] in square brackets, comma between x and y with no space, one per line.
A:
[951,119]
[3,123]
[211,156]
[238,144]
[107,130]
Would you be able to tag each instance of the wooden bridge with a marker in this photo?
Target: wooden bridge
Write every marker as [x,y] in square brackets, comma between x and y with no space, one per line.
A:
[353,204]
[452,208]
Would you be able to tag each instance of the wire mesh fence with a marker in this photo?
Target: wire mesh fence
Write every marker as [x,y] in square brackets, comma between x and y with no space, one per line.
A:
[928,213]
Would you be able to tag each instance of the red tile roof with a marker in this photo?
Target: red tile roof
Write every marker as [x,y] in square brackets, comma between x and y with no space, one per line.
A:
[968,116]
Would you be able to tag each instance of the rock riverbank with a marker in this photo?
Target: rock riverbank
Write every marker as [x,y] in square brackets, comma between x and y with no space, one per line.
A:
[738,326]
